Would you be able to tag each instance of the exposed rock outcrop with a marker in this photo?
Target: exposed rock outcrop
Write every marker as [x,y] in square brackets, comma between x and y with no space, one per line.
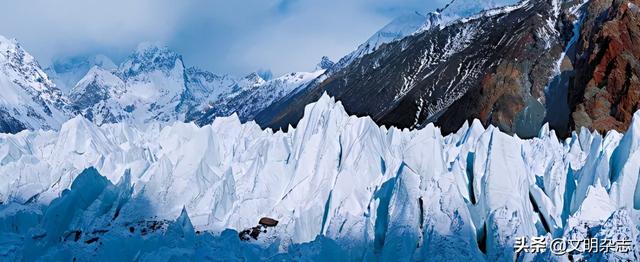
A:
[606,89]
[493,66]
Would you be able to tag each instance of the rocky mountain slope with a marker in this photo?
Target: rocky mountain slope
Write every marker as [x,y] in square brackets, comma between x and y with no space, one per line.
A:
[28,99]
[500,59]
[515,67]
[508,67]
[606,90]
[412,23]
[340,186]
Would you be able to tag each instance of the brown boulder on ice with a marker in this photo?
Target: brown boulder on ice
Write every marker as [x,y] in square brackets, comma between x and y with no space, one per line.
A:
[268,222]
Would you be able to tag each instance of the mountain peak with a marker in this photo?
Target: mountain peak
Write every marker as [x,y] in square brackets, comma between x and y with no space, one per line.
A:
[65,72]
[265,74]
[27,92]
[150,57]
[12,53]
[97,73]
[7,44]
[145,47]
[254,78]
[96,86]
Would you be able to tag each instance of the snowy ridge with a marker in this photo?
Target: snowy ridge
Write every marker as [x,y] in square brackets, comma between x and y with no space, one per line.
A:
[256,96]
[339,185]
[28,100]
[397,29]
[153,87]
[416,22]
[146,88]
[498,10]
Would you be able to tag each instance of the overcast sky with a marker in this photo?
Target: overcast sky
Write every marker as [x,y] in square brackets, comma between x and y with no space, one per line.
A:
[232,36]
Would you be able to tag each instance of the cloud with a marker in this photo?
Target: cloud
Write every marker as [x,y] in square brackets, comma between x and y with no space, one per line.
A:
[298,39]
[224,36]
[53,28]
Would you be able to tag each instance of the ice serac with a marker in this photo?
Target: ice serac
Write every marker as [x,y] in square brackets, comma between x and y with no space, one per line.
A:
[339,185]
[625,167]
[29,99]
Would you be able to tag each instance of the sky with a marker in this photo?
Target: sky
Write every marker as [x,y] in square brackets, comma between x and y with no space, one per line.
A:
[233,36]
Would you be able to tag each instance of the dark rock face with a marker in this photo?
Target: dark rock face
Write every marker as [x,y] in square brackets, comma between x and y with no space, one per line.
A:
[606,89]
[8,124]
[93,94]
[494,67]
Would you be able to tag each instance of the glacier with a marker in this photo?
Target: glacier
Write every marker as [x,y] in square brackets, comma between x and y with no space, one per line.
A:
[341,187]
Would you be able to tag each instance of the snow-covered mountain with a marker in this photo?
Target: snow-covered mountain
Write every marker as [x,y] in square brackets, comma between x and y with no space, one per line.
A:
[66,73]
[117,185]
[417,22]
[494,66]
[340,186]
[147,87]
[154,86]
[205,86]
[28,99]
[397,29]
[94,95]
[247,102]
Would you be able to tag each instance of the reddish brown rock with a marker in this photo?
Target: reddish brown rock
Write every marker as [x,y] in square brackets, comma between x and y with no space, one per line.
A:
[268,222]
[606,89]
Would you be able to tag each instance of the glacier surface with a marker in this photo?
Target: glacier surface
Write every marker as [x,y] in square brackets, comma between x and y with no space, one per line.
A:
[341,187]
